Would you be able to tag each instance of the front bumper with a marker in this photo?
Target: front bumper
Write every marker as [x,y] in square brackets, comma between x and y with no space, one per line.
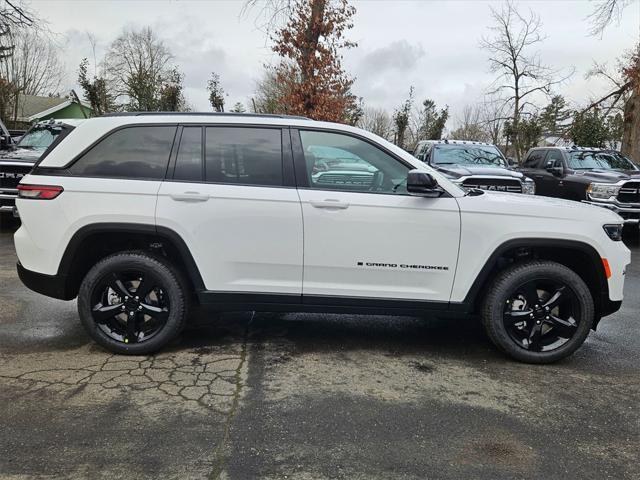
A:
[629,213]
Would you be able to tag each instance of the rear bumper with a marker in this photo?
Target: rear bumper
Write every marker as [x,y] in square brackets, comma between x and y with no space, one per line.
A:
[50,285]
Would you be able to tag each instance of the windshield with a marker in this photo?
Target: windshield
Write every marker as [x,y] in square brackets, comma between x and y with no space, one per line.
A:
[599,160]
[38,137]
[485,155]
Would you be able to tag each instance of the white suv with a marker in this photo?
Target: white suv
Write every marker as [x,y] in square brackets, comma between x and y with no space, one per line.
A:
[140,215]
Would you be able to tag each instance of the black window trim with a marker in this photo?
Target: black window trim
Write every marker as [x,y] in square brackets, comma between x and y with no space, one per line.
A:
[288,176]
[300,162]
[287,156]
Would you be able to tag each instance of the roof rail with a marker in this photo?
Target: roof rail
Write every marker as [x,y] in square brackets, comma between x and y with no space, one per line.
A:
[198,114]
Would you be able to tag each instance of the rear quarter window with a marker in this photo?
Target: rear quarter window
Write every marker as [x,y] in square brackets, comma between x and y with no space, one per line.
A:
[132,152]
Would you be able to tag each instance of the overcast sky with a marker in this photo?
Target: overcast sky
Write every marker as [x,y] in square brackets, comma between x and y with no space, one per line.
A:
[432,45]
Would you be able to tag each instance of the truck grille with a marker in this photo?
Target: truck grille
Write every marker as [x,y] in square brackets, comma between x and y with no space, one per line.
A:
[629,193]
[494,184]
[10,175]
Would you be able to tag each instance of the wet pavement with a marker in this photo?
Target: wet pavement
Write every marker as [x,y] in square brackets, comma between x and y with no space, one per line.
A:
[302,396]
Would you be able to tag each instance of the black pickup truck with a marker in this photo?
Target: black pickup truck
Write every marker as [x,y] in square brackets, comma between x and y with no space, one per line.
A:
[601,177]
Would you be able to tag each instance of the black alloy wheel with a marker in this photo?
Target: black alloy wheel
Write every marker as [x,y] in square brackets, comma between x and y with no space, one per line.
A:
[538,311]
[542,315]
[130,306]
[133,302]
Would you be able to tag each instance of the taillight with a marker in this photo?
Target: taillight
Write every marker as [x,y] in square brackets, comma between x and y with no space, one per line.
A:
[40,192]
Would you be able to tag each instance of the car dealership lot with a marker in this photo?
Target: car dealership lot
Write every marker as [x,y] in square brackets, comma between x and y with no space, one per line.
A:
[310,396]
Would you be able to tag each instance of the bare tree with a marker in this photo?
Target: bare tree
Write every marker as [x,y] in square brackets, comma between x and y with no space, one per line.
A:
[34,68]
[378,122]
[470,125]
[606,11]
[14,16]
[521,74]
[268,92]
[137,65]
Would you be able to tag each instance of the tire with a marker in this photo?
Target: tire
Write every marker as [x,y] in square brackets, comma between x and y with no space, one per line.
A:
[542,331]
[105,308]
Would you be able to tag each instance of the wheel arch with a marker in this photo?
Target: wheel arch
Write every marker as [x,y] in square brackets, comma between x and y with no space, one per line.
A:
[580,257]
[95,241]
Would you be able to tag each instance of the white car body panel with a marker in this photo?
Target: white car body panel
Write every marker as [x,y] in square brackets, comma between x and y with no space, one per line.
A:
[48,225]
[392,236]
[242,238]
[491,219]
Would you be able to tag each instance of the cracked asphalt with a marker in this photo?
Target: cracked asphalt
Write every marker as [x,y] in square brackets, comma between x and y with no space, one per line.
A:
[301,396]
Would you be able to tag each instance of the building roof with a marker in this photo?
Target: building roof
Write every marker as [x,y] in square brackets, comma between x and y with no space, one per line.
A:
[33,107]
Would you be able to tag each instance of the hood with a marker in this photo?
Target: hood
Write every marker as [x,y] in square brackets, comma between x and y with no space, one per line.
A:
[457,171]
[608,176]
[515,204]
[28,155]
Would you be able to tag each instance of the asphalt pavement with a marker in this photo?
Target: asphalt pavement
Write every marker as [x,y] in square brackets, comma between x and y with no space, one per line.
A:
[306,396]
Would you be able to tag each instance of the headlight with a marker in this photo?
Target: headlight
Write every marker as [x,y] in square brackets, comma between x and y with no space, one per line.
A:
[602,190]
[529,186]
[614,232]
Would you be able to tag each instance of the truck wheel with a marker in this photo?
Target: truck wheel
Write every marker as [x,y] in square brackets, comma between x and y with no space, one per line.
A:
[133,303]
[538,312]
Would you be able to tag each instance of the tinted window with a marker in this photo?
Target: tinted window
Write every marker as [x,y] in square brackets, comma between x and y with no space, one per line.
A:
[189,158]
[249,156]
[342,162]
[534,159]
[134,152]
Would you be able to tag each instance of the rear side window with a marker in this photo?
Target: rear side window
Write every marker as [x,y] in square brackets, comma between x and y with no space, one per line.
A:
[189,160]
[242,155]
[534,159]
[133,152]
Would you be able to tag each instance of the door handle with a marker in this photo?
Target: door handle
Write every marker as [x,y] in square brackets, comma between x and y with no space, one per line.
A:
[189,197]
[329,204]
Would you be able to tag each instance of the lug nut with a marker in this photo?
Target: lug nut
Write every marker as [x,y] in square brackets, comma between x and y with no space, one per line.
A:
[140,308]
[137,298]
[546,318]
[538,322]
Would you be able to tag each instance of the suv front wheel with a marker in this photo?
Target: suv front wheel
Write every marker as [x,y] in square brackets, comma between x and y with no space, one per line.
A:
[133,303]
[538,312]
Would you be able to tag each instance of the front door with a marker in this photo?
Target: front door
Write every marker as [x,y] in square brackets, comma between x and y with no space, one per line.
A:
[364,236]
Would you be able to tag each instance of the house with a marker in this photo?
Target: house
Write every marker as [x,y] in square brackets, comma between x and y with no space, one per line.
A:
[32,108]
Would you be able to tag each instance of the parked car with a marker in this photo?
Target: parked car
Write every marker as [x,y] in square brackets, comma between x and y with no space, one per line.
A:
[473,165]
[601,177]
[19,158]
[139,215]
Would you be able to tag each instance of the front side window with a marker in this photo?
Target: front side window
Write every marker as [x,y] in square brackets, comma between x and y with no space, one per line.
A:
[534,159]
[554,159]
[133,152]
[484,155]
[341,162]
[243,155]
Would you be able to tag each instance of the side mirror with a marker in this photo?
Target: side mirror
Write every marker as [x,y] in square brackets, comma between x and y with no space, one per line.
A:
[512,162]
[422,184]
[553,168]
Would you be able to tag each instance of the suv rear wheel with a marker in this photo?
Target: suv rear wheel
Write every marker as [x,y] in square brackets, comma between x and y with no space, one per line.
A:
[133,303]
[538,312]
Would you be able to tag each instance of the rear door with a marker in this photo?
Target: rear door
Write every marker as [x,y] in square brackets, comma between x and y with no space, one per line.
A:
[230,195]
